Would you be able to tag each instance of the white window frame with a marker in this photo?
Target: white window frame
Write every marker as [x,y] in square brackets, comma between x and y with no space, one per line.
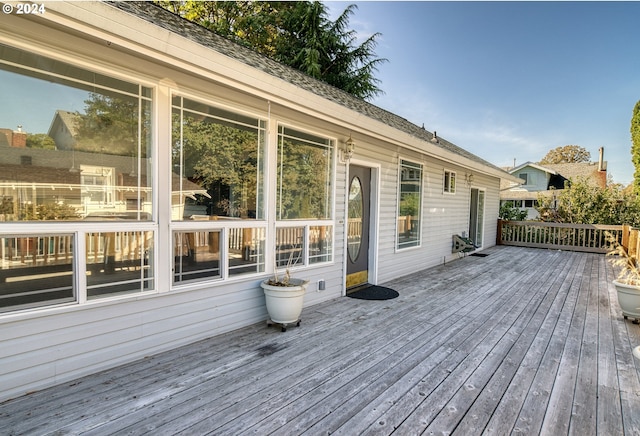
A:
[305,223]
[447,186]
[410,170]
[224,226]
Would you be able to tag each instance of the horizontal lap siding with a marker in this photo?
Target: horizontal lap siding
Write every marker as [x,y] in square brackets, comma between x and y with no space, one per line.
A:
[443,215]
[60,344]
[492,208]
[61,347]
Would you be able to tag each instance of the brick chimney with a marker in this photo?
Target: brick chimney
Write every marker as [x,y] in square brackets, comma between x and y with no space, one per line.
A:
[602,168]
[602,165]
[15,138]
[19,139]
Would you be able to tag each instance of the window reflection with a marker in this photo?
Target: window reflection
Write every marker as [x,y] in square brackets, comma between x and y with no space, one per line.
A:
[305,172]
[119,263]
[289,246]
[219,157]
[35,270]
[196,255]
[74,144]
[320,244]
[246,250]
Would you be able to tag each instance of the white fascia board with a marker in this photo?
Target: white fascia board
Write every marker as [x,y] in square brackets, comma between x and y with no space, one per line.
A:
[122,29]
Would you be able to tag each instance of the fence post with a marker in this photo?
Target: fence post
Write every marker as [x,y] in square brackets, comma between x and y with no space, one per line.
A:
[626,230]
[499,234]
[633,243]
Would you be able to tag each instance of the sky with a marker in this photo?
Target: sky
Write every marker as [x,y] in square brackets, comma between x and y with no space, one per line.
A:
[509,81]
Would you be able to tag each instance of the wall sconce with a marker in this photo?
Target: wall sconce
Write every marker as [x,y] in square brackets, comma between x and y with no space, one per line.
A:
[468,178]
[349,148]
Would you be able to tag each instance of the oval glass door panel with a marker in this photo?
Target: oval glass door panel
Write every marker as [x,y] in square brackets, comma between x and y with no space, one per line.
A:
[356,207]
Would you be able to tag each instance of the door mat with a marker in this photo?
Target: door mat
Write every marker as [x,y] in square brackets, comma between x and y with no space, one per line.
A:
[479,254]
[373,292]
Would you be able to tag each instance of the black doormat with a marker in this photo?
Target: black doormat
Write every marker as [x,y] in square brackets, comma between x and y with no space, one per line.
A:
[373,292]
[479,254]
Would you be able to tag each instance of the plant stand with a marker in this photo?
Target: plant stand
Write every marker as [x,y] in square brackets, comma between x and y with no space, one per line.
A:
[283,326]
[284,303]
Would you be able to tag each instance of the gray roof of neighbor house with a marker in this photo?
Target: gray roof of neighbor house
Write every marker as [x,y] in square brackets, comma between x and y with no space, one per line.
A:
[196,33]
[585,170]
[588,171]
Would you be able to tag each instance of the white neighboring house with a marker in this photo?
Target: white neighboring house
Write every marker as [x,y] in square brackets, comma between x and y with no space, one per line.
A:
[547,180]
[193,168]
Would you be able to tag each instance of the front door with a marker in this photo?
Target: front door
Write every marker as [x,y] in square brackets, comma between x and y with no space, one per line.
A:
[358,225]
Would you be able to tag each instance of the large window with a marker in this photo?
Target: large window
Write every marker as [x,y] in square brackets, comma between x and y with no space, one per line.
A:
[305,173]
[74,144]
[409,204]
[217,160]
[304,193]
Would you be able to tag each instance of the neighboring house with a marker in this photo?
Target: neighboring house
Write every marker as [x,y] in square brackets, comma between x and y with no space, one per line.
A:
[547,180]
[201,166]
[63,130]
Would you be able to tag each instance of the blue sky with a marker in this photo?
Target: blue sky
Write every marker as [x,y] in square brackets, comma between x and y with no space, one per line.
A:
[511,80]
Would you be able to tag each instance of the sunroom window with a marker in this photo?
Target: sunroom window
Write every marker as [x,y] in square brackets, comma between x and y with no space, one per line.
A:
[217,188]
[217,160]
[304,198]
[305,176]
[75,145]
[36,269]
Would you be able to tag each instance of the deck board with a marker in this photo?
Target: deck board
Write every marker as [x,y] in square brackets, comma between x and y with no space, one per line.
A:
[523,340]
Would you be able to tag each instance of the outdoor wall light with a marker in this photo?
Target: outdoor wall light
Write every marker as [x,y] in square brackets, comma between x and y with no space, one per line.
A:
[469,179]
[349,148]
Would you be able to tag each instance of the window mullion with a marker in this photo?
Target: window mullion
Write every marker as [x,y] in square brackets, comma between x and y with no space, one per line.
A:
[80,266]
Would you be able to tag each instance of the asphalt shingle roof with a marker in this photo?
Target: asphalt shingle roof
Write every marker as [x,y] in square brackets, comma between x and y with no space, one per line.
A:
[202,36]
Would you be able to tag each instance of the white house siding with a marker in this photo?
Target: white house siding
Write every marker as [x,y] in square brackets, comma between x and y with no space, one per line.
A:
[43,347]
[443,215]
[537,180]
[46,346]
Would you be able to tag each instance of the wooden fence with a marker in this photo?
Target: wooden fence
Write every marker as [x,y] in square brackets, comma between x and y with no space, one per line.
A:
[572,237]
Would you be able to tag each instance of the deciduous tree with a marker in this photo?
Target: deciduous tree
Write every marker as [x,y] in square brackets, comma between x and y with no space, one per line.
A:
[583,203]
[566,154]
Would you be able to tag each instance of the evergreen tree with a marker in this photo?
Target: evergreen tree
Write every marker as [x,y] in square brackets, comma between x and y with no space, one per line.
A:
[298,34]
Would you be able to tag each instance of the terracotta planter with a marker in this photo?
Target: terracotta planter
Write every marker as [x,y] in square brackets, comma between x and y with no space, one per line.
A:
[284,303]
[628,299]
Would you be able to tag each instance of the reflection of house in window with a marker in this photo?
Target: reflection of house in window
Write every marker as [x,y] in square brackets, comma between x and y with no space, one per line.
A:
[98,184]
[63,130]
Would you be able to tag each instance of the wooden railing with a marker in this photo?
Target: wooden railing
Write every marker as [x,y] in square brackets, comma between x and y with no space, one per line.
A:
[572,237]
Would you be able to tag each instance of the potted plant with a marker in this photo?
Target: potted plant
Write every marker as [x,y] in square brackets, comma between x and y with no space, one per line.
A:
[284,297]
[628,281]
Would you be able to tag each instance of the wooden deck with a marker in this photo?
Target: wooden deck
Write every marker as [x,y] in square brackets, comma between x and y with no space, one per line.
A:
[522,341]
